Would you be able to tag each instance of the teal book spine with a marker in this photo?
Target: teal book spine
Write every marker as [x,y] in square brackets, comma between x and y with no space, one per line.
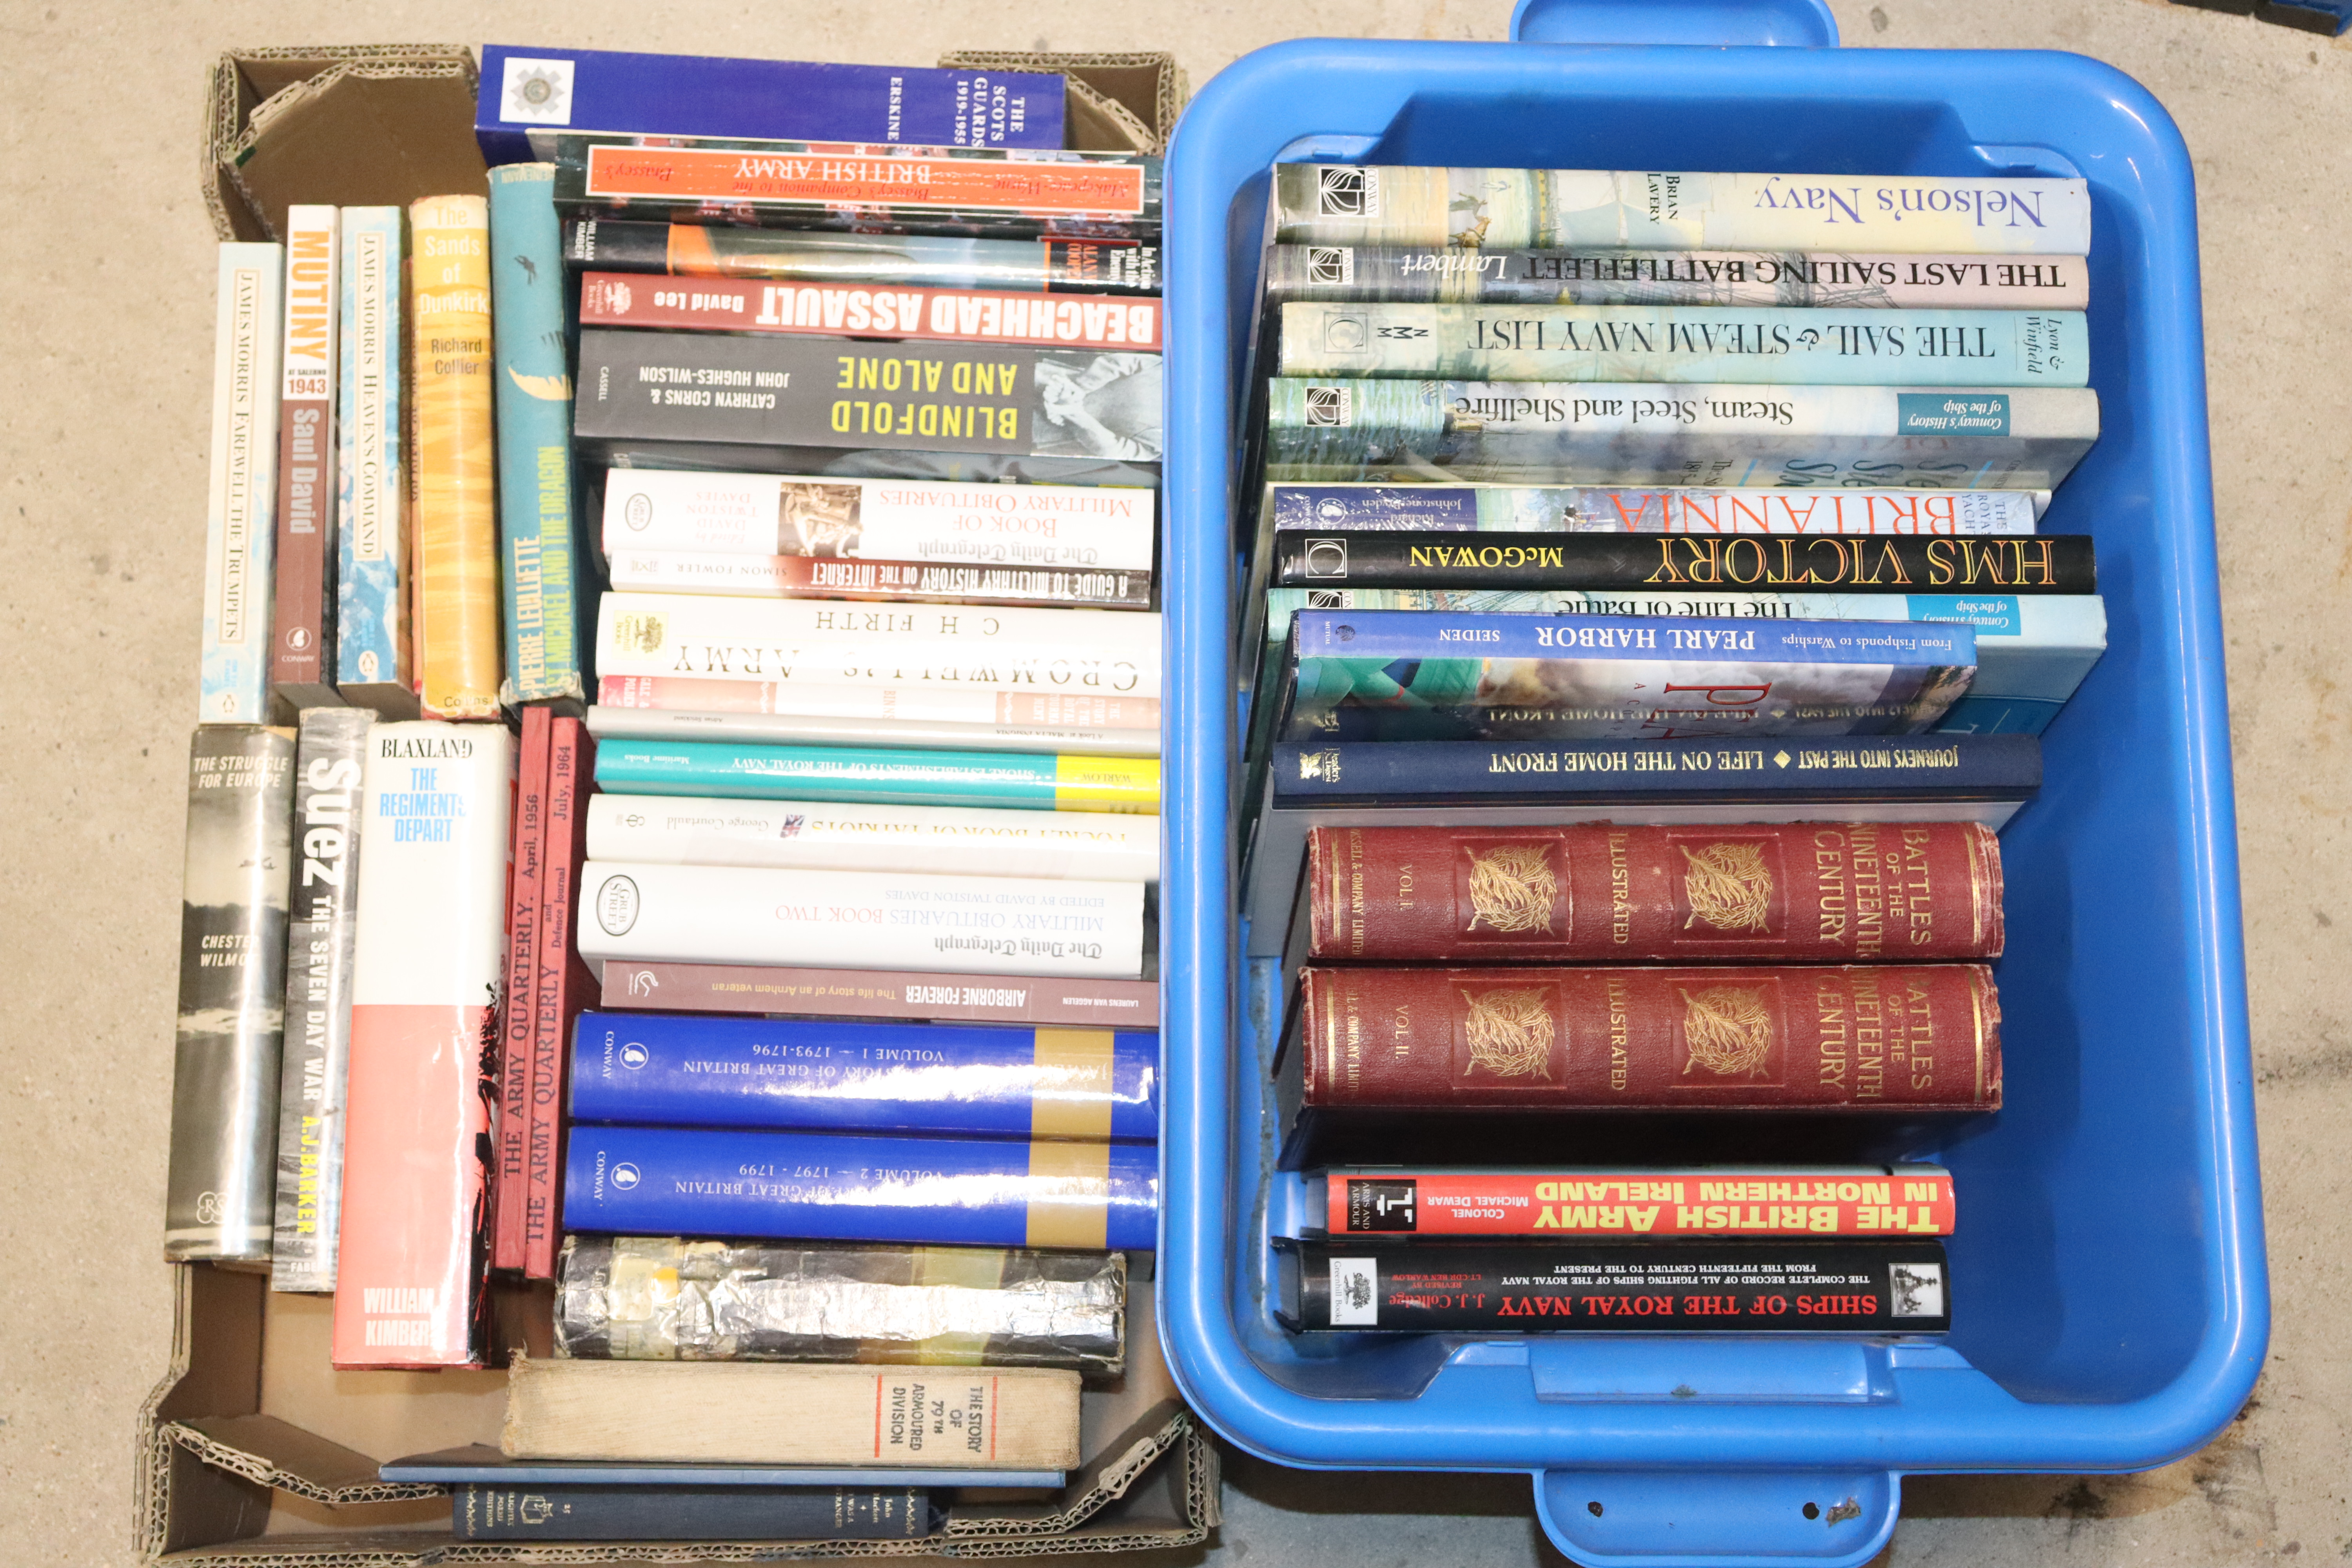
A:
[879,776]
[537,530]
[372,649]
[1681,344]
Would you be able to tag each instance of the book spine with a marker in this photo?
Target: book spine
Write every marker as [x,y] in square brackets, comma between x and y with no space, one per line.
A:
[828,1076]
[871,310]
[453,472]
[524,92]
[1554,1287]
[240,534]
[519,1000]
[564,987]
[543,582]
[1881,767]
[794,185]
[1793,894]
[966,1192]
[1901,564]
[789,391]
[1722,343]
[926,704]
[1634,434]
[876,776]
[415,1238]
[1548,209]
[702,250]
[329,757]
[862,920]
[302,617]
[908,995]
[218,1202]
[1535,508]
[837,723]
[1604,1204]
[895,581]
[1088,652]
[481,1512]
[937,1305]
[816,835]
[372,666]
[1854,1038]
[1071,527]
[1337,273]
[1599,677]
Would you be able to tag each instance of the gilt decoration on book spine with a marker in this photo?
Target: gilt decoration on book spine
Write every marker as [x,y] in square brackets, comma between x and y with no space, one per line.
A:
[453,476]
[217,1203]
[329,757]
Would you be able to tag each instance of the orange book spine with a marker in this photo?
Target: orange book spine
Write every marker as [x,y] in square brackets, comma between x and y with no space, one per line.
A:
[454,475]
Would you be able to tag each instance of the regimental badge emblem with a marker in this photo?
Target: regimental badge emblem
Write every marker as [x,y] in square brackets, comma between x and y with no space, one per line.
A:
[1322,766]
[1730,887]
[1509,1032]
[537,92]
[1512,888]
[1728,1030]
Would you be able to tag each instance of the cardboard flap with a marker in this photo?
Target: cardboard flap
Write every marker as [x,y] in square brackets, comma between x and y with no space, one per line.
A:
[278,1454]
[358,126]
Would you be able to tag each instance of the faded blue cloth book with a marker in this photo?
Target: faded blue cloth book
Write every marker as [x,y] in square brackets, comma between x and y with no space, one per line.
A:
[539,536]
[372,652]
[1435,675]
[977,1192]
[833,1075]
[528,94]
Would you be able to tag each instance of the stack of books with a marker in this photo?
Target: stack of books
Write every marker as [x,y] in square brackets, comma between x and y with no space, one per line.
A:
[849,780]
[1648,626]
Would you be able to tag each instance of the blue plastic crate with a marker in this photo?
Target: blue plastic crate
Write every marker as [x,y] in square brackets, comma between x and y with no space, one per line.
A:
[2111,1305]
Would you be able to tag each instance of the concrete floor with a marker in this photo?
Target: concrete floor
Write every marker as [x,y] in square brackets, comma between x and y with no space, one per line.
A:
[105,316]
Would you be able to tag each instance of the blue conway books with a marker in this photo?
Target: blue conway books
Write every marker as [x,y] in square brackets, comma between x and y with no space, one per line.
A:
[537,536]
[529,94]
[815,1074]
[1431,675]
[673,1181]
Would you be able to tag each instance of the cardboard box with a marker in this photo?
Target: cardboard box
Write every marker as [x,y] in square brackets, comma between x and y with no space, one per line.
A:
[253,1450]
[1112,103]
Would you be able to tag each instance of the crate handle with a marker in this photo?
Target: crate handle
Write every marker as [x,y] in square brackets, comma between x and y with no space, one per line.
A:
[1803,23]
[1721,1519]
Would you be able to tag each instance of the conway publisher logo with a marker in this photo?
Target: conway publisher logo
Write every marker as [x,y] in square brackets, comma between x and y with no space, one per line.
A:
[624,1177]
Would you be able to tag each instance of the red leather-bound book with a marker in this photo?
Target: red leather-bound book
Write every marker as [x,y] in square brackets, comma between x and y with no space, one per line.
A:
[1849,1038]
[1804,892]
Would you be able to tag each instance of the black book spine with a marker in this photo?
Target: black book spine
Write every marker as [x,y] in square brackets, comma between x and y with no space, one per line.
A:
[1753,1286]
[1884,563]
[614,246]
[500,1512]
[842,393]
[221,1195]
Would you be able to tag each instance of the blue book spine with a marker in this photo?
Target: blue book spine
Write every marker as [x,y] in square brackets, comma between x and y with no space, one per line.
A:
[528,94]
[538,533]
[1428,675]
[484,1512]
[1421,773]
[670,1181]
[819,1075]
[372,667]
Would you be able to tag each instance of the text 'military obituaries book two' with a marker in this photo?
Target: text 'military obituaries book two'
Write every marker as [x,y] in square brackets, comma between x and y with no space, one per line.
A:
[218,1204]
[1512,209]
[425,996]
[537,530]
[372,667]
[302,663]
[240,528]
[453,472]
[330,758]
